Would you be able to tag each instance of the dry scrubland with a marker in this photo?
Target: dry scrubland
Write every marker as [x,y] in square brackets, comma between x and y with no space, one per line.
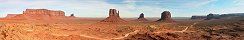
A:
[91,29]
[43,24]
[75,29]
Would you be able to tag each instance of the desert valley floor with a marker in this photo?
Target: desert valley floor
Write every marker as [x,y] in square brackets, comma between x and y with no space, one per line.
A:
[93,29]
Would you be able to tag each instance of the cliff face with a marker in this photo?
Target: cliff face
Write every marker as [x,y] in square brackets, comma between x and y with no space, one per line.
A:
[113,16]
[165,17]
[40,14]
[43,12]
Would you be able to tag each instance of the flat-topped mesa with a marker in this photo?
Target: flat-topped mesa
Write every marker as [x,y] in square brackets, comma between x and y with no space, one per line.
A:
[141,18]
[113,16]
[40,14]
[198,17]
[43,12]
[165,17]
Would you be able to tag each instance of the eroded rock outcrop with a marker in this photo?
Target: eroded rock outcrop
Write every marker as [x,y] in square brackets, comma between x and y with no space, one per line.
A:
[113,16]
[166,17]
[141,18]
[43,12]
[72,15]
[214,16]
[40,14]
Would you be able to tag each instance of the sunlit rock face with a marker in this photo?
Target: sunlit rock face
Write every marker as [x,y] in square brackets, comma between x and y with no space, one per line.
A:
[43,12]
[113,16]
[40,14]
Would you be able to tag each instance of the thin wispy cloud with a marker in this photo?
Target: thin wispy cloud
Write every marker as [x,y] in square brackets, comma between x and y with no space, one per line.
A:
[199,3]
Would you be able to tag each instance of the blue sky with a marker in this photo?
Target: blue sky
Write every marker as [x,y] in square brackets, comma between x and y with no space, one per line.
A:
[127,8]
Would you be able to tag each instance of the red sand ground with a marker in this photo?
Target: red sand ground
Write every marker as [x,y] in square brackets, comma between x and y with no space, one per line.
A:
[70,29]
[44,24]
[90,29]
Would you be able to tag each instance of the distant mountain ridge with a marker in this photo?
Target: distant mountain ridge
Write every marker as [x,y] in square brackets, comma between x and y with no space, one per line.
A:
[218,16]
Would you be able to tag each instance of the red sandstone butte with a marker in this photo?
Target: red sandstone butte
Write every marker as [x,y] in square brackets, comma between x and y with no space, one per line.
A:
[113,16]
[141,18]
[43,12]
[40,14]
[166,17]
[72,15]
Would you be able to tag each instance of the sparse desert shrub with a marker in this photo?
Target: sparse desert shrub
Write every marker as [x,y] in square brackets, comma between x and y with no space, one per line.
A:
[124,29]
[151,27]
[206,37]
[172,35]
[144,36]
